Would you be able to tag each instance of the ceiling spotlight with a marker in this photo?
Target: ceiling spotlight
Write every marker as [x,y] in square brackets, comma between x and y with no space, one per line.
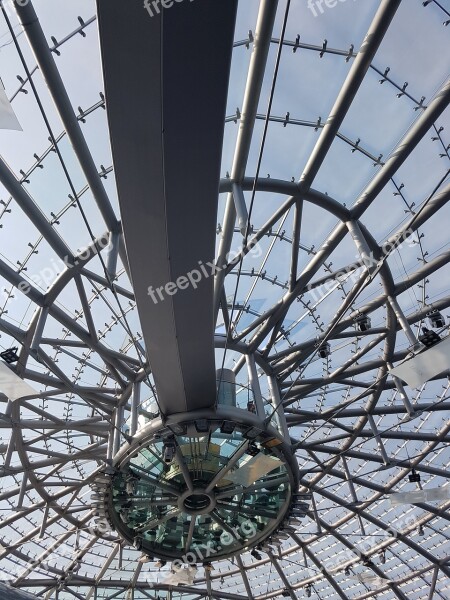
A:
[300,505]
[169,452]
[347,571]
[414,477]
[227,427]
[10,356]
[178,428]
[252,449]
[201,425]
[429,338]
[208,567]
[252,433]
[256,555]
[383,557]
[324,350]
[436,319]
[420,530]
[363,322]
[159,564]
[285,593]
[308,590]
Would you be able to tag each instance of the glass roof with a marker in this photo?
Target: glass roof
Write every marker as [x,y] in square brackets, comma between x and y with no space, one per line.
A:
[349,256]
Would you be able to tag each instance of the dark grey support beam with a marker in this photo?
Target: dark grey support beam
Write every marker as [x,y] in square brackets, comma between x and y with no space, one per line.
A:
[167,173]
[33,30]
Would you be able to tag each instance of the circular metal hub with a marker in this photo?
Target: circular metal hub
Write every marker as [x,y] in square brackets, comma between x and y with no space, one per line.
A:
[202,489]
[197,502]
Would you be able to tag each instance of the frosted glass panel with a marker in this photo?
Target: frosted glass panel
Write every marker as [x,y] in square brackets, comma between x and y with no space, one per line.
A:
[12,386]
[426,365]
[433,495]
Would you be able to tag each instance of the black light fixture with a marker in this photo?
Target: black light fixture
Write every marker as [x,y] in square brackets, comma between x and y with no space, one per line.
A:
[10,356]
[252,449]
[252,433]
[160,564]
[285,593]
[414,477]
[436,319]
[256,555]
[178,428]
[324,350]
[227,427]
[201,425]
[347,571]
[308,590]
[169,451]
[383,557]
[429,338]
[363,322]
[420,530]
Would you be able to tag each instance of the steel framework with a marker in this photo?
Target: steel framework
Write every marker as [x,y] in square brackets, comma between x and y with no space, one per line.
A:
[330,250]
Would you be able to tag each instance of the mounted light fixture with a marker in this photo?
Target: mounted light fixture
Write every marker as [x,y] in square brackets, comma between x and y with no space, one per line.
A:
[227,427]
[169,452]
[436,319]
[414,477]
[256,555]
[252,449]
[324,350]
[201,425]
[10,356]
[178,429]
[363,322]
[429,338]
[252,433]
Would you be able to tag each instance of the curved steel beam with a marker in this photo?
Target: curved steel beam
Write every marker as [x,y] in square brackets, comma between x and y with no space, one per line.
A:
[167,172]
[8,593]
